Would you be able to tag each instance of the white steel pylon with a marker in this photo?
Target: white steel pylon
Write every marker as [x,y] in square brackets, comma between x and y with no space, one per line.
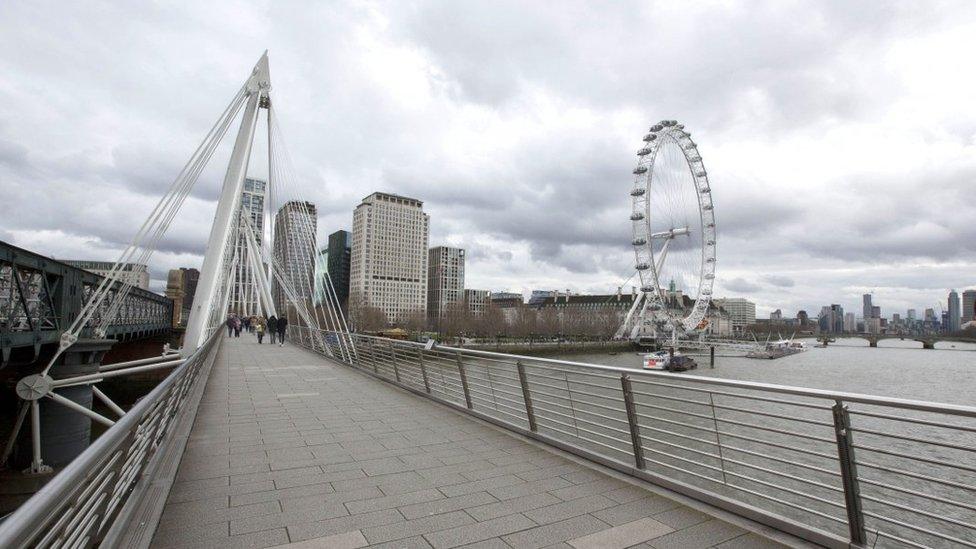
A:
[256,92]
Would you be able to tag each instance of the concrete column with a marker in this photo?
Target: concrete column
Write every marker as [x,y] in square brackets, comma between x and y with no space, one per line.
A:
[66,433]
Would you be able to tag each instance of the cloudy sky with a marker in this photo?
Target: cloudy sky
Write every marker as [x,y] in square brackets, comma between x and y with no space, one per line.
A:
[840,137]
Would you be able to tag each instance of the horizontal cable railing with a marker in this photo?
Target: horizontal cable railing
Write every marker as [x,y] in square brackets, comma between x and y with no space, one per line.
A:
[80,505]
[836,468]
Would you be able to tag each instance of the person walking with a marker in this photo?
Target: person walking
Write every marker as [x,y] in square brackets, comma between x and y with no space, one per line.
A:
[282,326]
[272,328]
[230,325]
[259,329]
[247,324]
[237,327]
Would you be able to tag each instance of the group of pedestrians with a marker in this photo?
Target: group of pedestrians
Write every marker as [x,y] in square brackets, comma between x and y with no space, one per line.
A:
[258,325]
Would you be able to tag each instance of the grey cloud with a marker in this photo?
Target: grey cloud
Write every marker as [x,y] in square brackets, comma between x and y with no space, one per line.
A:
[741,285]
[513,122]
[779,281]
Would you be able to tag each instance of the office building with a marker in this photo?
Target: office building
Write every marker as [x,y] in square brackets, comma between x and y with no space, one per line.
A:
[802,318]
[445,281]
[476,301]
[954,313]
[181,286]
[742,312]
[294,254]
[538,296]
[388,268]
[867,309]
[135,274]
[838,318]
[912,315]
[776,317]
[245,294]
[337,261]
[850,323]
[968,306]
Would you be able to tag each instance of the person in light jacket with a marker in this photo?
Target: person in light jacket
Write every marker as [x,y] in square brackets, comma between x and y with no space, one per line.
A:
[259,329]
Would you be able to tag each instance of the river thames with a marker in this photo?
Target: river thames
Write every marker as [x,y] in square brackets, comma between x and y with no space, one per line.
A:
[896,368]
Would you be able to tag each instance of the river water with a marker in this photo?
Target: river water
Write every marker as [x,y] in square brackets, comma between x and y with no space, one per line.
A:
[896,368]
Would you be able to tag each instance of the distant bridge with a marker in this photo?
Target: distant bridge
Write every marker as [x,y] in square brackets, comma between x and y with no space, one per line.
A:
[927,341]
[40,297]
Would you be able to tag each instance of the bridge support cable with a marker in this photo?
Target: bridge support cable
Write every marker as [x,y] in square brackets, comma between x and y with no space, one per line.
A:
[281,176]
[286,174]
[261,283]
[149,234]
[278,271]
[170,214]
[110,296]
[258,87]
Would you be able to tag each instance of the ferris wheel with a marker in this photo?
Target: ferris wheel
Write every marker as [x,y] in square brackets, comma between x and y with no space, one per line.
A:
[673,222]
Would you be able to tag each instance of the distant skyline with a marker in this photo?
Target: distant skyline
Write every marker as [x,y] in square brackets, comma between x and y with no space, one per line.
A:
[839,137]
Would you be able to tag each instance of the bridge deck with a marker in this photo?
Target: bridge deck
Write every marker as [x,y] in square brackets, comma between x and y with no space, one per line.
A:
[290,448]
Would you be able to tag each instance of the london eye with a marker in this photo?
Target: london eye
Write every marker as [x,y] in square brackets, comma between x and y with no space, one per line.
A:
[673,236]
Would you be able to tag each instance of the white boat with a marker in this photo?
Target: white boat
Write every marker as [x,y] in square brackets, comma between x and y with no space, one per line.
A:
[665,361]
[778,349]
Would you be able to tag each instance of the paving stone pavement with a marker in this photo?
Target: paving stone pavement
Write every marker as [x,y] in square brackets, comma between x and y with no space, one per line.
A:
[291,449]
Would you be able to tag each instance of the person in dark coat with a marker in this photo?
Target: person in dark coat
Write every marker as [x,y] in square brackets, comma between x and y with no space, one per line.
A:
[282,326]
[272,328]
[237,326]
[230,325]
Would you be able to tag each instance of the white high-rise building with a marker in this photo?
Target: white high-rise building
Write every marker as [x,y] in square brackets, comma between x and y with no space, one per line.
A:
[389,256]
[295,252]
[245,293]
[445,280]
[742,312]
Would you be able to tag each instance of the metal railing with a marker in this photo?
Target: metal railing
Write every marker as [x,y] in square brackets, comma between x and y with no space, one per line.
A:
[835,468]
[80,505]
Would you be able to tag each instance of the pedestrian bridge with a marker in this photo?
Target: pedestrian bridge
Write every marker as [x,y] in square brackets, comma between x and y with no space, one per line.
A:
[260,445]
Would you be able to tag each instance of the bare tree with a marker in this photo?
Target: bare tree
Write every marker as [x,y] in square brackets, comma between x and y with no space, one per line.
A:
[548,321]
[492,322]
[366,318]
[415,321]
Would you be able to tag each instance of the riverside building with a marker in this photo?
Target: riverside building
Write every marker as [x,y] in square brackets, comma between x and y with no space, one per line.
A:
[445,280]
[388,267]
[294,252]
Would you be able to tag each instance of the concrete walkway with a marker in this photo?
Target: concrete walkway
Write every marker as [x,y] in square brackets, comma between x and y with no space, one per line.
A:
[291,449]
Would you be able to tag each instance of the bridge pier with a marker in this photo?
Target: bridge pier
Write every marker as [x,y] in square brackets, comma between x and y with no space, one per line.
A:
[65,433]
[873,343]
[928,345]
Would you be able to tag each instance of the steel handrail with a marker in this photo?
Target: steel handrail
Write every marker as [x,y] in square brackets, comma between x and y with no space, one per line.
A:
[475,380]
[907,404]
[41,515]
